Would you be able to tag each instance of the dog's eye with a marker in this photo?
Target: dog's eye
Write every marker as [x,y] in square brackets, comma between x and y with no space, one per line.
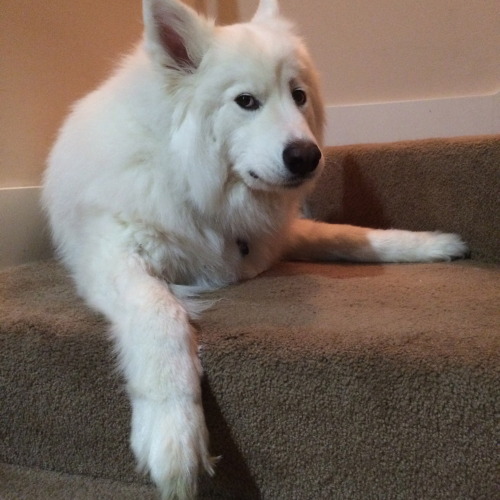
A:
[299,96]
[247,102]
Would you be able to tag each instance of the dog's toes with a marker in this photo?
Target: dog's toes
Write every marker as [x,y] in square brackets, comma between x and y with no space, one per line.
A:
[449,247]
[170,441]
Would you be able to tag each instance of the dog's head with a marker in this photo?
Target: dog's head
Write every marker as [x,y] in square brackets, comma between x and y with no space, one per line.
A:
[250,91]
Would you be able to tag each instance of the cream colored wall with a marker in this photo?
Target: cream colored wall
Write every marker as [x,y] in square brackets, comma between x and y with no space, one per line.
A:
[367,51]
[388,50]
[52,52]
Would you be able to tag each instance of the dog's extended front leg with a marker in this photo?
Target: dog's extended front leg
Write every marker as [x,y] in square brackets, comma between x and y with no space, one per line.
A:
[158,355]
[311,240]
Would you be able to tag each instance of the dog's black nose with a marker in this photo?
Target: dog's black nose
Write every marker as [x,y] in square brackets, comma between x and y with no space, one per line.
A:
[301,157]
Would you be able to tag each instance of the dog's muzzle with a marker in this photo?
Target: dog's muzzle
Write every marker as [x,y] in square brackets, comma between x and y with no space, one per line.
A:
[301,157]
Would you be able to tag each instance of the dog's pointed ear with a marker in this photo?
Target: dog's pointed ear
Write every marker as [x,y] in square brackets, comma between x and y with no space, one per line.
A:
[267,9]
[175,35]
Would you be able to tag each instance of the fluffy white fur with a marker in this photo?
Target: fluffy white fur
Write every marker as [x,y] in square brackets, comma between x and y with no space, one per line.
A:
[160,185]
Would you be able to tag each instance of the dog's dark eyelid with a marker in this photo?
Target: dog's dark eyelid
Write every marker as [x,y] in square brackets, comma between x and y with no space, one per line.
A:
[247,102]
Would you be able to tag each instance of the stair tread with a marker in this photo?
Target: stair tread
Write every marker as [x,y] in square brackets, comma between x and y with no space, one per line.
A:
[318,377]
[24,483]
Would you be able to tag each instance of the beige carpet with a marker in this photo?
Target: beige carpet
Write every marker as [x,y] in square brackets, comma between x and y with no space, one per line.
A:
[322,381]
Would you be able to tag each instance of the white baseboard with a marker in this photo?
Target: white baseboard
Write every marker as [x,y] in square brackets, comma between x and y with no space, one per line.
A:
[411,120]
[25,237]
[23,229]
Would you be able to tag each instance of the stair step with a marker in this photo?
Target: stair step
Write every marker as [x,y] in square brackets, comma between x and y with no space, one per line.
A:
[24,483]
[321,381]
[449,185]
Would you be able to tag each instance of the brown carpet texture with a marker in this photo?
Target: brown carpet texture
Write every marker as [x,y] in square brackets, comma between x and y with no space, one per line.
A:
[322,381]
[23,483]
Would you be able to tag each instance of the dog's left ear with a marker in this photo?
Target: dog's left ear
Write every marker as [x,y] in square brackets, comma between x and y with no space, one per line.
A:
[175,35]
[267,9]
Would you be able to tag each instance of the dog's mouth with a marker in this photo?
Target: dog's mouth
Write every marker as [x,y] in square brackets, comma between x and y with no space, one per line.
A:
[289,183]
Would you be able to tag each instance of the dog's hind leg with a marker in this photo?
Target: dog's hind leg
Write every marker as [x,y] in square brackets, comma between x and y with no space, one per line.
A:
[158,355]
[310,240]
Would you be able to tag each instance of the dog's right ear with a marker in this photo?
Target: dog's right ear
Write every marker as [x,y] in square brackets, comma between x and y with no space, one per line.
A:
[175,35]
[266,10]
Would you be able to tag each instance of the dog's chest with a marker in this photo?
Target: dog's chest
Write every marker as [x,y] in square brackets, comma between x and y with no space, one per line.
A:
[206,257]
[240,258]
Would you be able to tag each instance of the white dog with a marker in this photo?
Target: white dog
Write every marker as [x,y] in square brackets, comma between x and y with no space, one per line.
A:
[183,172]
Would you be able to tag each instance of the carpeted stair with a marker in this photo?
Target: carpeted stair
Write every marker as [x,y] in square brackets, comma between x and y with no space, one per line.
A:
[322,381]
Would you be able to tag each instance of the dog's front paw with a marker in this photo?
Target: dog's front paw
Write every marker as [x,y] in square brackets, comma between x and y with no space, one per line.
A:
[446,246]
[170,441]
